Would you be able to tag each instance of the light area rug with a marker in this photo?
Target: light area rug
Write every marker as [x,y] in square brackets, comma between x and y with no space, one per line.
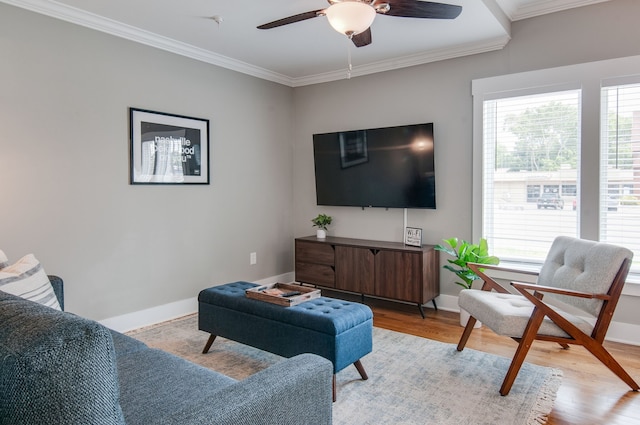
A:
[412,380]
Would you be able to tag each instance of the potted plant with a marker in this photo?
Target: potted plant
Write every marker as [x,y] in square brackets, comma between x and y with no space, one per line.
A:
[321,222]
[464,252]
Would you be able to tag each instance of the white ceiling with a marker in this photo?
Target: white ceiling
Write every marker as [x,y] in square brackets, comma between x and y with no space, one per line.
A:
[305,52]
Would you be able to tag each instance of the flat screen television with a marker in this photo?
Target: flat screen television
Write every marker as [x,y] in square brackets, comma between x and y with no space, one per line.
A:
[391,167]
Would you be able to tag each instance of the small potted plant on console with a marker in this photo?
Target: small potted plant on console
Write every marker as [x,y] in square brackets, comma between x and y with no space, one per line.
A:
[321,222]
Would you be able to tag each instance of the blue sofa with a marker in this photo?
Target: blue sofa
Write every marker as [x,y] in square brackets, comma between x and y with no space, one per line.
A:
[58,368]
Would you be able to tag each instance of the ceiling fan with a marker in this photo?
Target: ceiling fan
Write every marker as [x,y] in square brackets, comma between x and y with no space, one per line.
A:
[353,18]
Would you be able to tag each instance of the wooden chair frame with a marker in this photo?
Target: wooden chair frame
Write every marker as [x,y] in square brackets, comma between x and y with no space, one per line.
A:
[534,293]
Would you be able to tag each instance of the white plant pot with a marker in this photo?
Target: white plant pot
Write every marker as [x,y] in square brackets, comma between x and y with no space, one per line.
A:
[464,318]
[321,234]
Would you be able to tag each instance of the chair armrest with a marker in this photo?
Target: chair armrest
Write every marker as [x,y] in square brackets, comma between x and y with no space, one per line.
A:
[294,391]
[559,291]
[490,283]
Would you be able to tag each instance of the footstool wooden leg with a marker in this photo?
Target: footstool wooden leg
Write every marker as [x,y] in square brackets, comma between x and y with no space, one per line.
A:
[334,387]
[361,370]
[212,338]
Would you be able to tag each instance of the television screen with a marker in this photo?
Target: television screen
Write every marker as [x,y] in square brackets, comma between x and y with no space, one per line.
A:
[390,167]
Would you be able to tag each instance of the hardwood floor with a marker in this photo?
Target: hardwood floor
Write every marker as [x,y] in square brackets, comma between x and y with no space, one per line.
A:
[589,394]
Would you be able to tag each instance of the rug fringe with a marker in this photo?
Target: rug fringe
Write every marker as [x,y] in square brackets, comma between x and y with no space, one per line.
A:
[547,395]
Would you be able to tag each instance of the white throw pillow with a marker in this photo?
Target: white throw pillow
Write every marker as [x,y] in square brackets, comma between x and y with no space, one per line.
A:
[27,279]
[4,261]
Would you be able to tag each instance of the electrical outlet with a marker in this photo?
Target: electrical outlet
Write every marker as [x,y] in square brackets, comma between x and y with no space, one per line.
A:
[253,258]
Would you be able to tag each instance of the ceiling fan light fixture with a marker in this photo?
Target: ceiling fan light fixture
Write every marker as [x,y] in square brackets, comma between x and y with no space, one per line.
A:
[350,17]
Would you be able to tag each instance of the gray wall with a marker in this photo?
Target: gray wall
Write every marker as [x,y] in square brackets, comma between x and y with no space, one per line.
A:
[64,158]
[64,154]
[441,93]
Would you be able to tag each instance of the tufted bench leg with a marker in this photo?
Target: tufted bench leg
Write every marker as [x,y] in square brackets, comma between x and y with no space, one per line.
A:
[212,338]
[361,371]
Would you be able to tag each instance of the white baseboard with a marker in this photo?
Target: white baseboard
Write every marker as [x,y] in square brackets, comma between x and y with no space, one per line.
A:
[162,313]
[618,332]
[151,316]
[446,303]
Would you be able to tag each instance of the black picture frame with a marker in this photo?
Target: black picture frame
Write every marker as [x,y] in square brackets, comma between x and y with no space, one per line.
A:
[167,148]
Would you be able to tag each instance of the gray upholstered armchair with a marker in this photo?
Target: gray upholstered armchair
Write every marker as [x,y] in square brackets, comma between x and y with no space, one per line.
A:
[577,274]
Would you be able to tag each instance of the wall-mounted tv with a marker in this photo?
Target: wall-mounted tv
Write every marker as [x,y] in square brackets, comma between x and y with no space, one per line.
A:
[391,167]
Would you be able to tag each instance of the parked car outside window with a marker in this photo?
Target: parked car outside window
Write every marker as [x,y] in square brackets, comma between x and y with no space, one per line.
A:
[550,200]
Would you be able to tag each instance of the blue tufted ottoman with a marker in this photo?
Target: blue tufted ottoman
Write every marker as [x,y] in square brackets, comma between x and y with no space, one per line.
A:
[337,330]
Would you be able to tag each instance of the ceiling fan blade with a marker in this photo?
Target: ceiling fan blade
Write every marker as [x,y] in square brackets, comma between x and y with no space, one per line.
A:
[291,19]
[362,39]
[422,9]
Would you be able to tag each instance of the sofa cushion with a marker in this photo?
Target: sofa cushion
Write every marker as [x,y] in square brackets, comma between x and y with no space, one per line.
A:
[509,314]
[39,346]
[27,279]
[155,384]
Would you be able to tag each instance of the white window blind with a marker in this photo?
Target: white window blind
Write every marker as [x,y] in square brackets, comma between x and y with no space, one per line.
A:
[530,172]
[620,168]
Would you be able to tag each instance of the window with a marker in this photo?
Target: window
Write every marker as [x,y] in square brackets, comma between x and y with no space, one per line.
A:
[531,151]
[620,167]
[579,161]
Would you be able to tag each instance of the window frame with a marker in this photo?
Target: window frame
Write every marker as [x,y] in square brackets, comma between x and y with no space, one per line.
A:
[589,78]
[608,181]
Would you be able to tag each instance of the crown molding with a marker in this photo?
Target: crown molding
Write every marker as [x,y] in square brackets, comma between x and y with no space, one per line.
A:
[543,7]
[406,61]
[128,32]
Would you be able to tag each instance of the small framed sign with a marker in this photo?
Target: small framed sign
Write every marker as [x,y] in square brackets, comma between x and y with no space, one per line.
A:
[413,236]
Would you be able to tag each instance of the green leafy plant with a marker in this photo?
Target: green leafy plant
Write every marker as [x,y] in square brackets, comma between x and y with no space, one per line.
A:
[463,253]
[322,221]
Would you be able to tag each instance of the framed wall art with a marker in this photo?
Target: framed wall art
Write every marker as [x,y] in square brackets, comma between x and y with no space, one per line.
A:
[413,236]
[167,148]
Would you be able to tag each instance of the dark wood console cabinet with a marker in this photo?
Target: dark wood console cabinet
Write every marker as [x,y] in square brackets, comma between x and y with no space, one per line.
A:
[388,270]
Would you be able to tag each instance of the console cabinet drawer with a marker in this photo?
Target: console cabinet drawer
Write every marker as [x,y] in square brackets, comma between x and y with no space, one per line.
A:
[317,274]
[316,253]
